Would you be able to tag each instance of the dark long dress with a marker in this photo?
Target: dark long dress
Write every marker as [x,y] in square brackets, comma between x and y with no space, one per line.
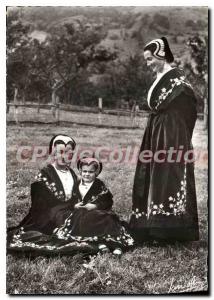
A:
[164,195]
[100,225]
[48,206]
[54,226]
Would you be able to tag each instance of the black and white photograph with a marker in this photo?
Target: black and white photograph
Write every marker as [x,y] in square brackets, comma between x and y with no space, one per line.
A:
[107,150]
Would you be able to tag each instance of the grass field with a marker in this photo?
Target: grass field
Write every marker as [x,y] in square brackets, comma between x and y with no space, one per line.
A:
[151,269]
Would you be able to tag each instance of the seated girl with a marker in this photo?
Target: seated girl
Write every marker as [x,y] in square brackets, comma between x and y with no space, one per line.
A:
[92,219]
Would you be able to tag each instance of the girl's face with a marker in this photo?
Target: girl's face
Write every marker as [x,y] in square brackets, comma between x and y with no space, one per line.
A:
[88,173]
[156,65]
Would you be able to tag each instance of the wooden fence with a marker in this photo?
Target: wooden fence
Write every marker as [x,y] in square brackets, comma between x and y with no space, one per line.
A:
[56,109]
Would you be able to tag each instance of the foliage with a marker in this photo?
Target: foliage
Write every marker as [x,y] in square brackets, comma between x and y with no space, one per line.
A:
[196,25]
[17,51]
[82,43]
[198,66]
[59,63]
[161,20]
[126,79]
[198,52]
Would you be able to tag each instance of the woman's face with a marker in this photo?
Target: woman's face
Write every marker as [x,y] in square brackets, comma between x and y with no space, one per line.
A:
[63,155]
[156,65]
[88,173]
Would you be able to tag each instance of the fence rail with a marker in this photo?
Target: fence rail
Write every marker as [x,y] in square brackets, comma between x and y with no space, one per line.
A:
[61,112]
[69,107]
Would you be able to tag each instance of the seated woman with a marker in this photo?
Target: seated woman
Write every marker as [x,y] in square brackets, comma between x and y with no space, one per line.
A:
[53,194]
[92,220]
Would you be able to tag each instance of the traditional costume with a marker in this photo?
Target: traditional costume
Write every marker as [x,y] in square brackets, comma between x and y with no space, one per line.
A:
[164,195]
[100,225]
[58,227]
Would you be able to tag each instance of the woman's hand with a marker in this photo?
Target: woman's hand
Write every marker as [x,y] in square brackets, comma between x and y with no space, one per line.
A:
[78,205]
[90,206]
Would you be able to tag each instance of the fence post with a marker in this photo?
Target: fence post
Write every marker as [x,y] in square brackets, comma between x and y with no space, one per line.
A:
[205,113]
[38,107]
[100,104]
[100,109]
[57,113]
[16,108]
[7,108]
[53,101]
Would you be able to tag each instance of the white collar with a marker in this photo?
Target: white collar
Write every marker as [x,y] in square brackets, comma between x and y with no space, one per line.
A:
[86,184]
[66,171]
[159,76]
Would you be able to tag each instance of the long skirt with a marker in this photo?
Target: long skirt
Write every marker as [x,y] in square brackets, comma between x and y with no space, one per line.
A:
[164,195]
[83,231]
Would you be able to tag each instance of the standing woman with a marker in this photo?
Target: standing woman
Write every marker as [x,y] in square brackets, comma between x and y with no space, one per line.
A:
[164,197]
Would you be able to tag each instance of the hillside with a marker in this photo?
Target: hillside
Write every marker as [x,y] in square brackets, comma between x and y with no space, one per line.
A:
[92,50]
[127,28]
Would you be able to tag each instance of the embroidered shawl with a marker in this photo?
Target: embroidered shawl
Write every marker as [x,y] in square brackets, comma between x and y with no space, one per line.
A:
[167,88]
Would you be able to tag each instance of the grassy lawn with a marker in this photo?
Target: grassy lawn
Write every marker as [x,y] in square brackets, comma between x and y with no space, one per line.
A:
[151,269]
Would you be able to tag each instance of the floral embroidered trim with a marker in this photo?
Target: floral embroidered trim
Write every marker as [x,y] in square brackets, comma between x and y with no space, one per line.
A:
[124,239]
[17,242]
[138,214]
[177,204]
[94,198]
[164,93]
[51,186]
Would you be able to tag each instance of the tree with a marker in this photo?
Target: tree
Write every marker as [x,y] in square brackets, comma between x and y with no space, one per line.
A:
[17,53]
[125,79]
[198,69]
[61,65]
[74,48]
